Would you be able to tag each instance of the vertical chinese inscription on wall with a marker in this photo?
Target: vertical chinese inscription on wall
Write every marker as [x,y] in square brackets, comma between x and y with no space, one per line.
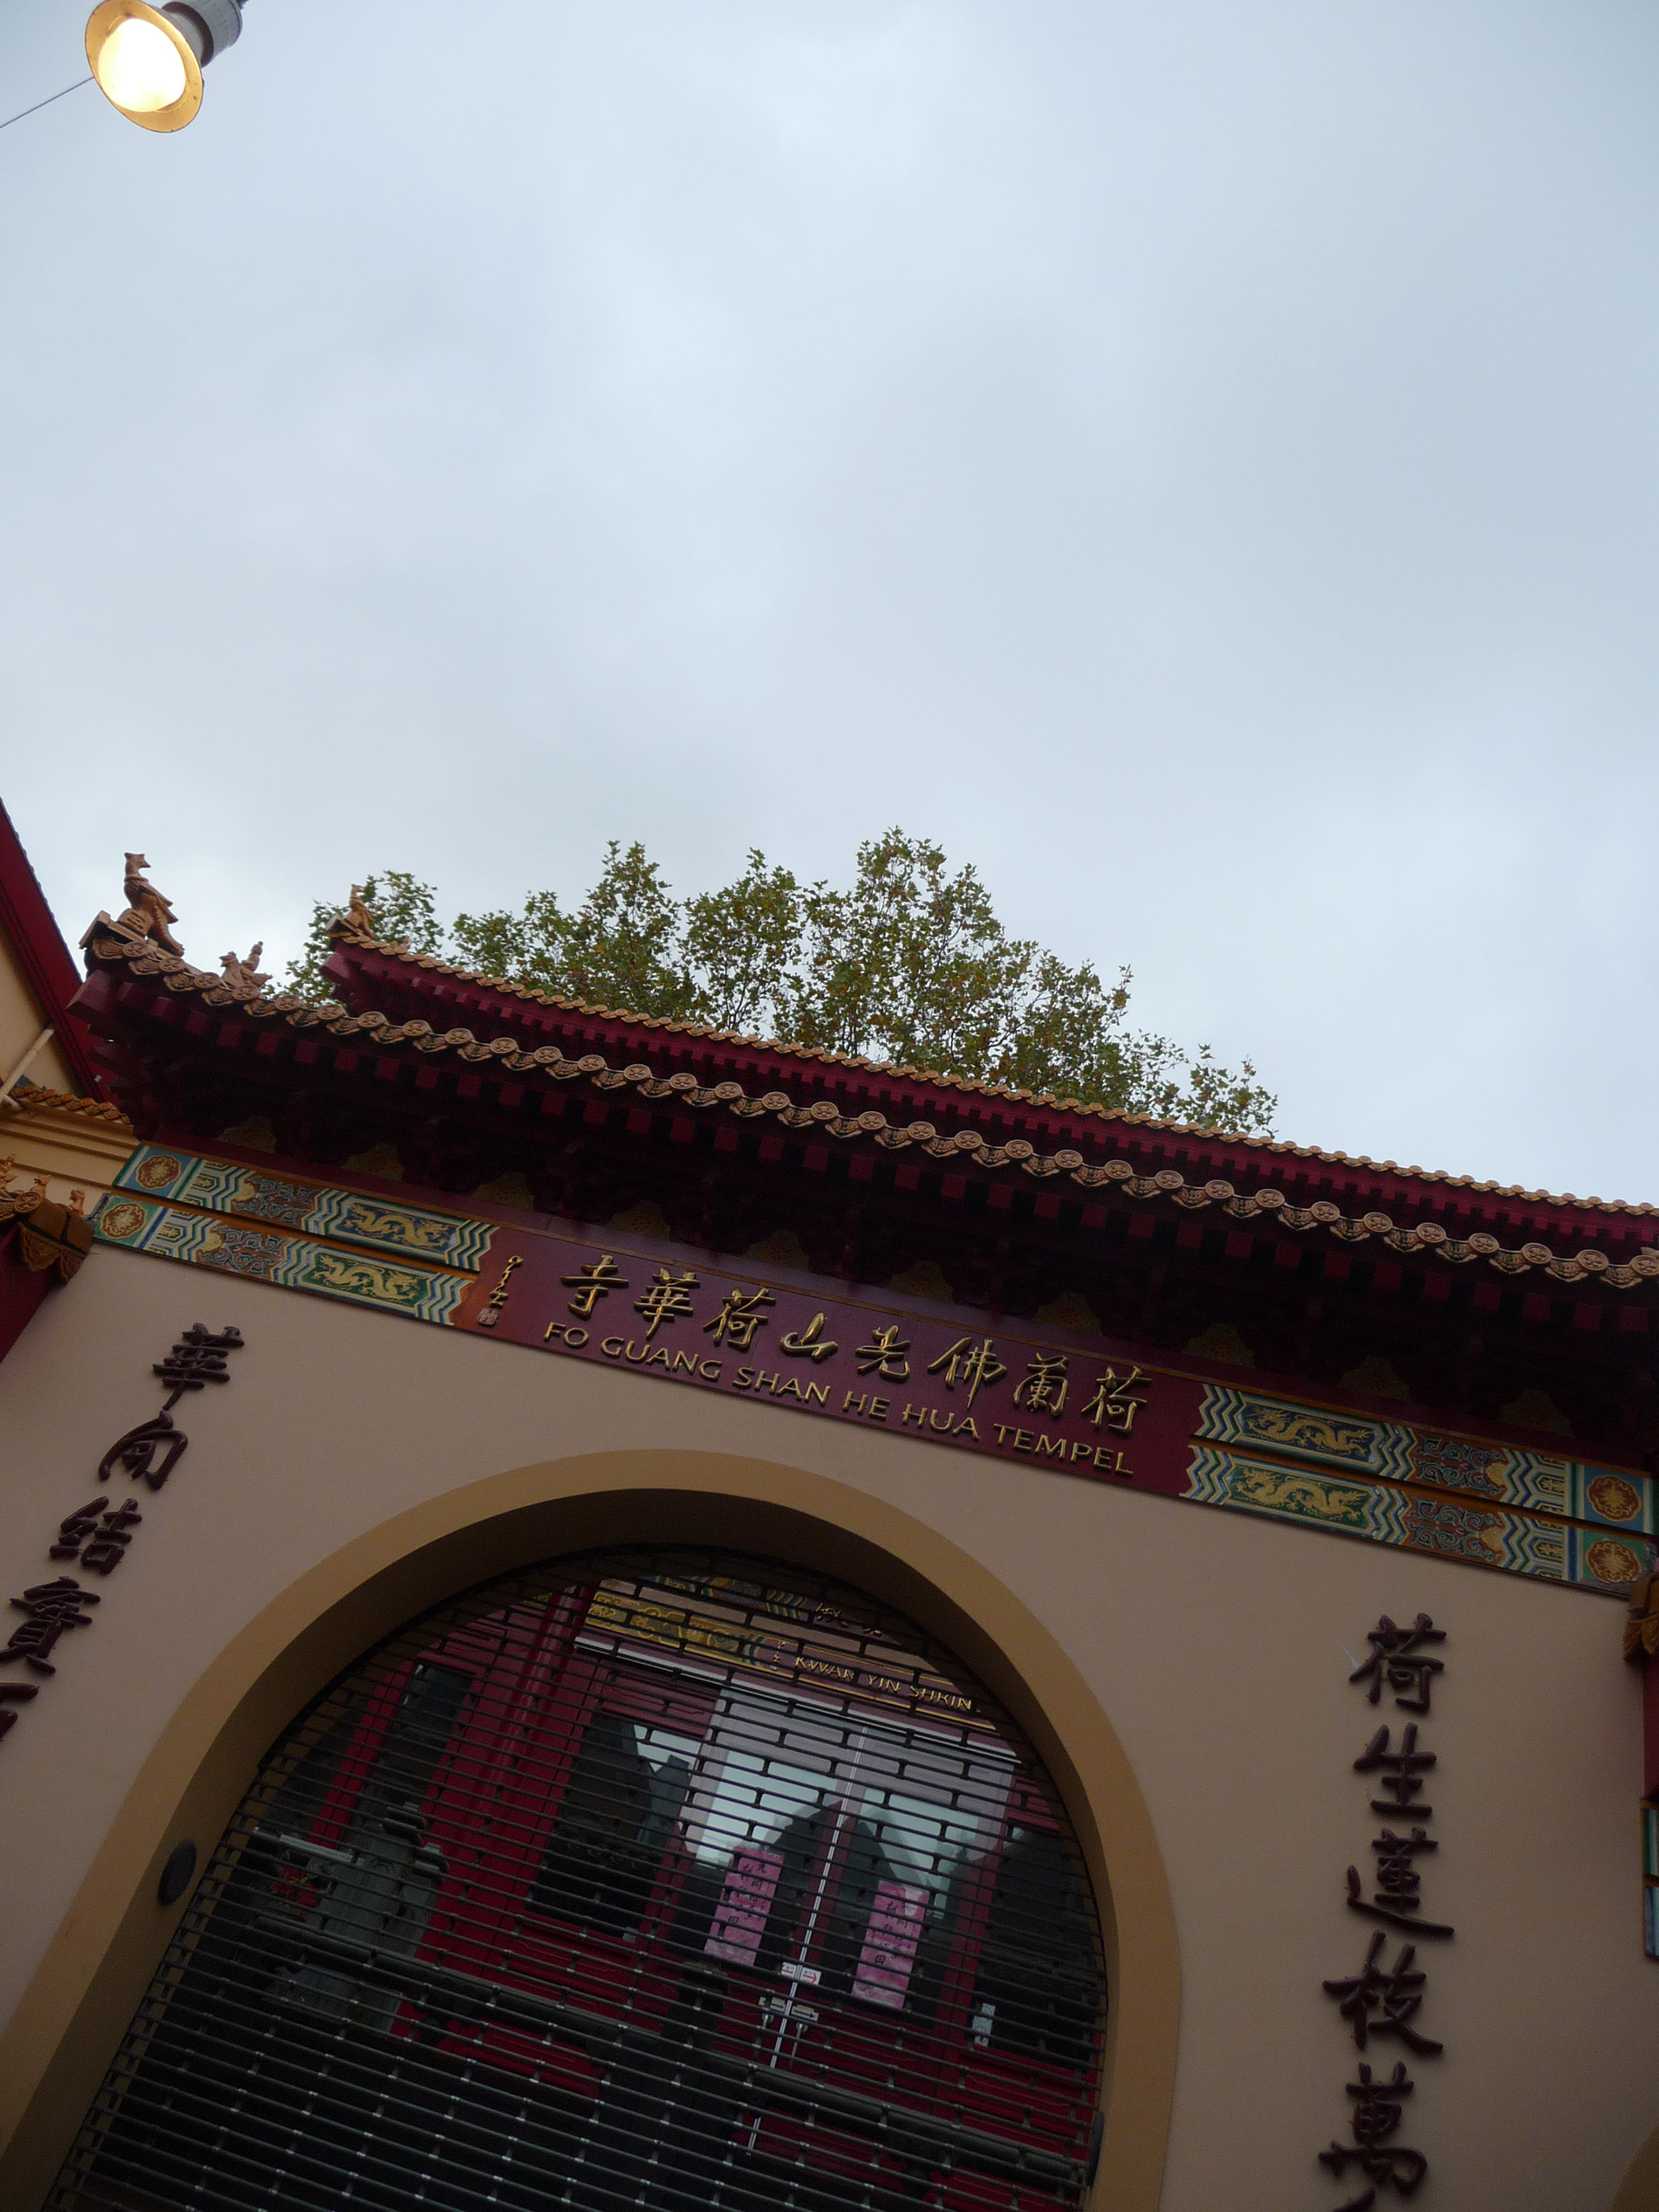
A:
[95,1537]
[1382,2003]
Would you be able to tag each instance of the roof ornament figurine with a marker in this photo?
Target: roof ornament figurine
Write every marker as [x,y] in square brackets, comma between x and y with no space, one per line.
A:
[13,1203]
[147,913]
[51,1236]
[357,916]
[54,1238]
[245,975]
[359,920]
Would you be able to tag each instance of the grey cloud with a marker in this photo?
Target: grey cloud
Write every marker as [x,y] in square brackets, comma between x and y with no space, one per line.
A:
[1198,462]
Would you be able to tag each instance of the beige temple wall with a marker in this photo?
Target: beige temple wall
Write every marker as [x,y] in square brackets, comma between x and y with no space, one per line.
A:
[22,1021]
[1190,1665]
[70,1150]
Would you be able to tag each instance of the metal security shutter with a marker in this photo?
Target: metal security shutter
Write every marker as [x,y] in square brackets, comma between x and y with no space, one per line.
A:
[654,1878]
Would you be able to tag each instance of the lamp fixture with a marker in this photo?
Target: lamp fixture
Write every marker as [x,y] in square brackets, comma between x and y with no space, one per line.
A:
[148,62]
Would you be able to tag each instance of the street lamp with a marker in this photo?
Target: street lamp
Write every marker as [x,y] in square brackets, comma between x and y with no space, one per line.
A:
[148,61]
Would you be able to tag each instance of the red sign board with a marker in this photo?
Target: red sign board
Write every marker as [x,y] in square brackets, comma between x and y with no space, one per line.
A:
[1081,1408]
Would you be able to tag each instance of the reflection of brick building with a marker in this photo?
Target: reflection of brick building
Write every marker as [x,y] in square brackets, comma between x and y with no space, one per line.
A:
[614,1628]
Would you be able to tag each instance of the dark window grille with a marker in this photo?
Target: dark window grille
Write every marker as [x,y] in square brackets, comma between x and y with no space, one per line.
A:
[650,1880]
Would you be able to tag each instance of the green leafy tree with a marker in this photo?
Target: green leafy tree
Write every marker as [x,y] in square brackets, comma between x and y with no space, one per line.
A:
[623,947]
[531,948]
[627,942]
[909,963]
[1068,1035]
[742,944]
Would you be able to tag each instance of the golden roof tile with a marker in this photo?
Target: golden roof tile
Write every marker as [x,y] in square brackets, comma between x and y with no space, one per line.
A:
[33,1096]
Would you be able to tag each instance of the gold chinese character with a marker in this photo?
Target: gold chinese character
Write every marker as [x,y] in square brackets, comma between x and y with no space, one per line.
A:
[884,1355]
[591,1284]
[966,1362]
[666,1298]
[812,1343]
[1111,1406]
[1043,1389]
[738,1318]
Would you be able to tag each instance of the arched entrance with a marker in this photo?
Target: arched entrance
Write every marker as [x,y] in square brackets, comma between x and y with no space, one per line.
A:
[662,1877]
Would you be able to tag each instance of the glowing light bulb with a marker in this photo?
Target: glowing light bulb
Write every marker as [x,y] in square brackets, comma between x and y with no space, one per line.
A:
[139,68]
[148,60]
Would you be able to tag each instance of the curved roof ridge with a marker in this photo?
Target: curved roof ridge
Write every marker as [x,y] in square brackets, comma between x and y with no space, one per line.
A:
[434,962]
[142,957]
[1281,1148]
[42,1097]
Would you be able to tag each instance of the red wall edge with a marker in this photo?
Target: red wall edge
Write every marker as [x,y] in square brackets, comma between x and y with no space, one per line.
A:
[45,959]
[21,1290]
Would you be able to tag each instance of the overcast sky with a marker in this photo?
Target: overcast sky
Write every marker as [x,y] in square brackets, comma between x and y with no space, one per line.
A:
[1197,461]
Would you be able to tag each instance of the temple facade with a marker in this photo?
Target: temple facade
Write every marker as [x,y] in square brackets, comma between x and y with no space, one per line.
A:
[604,1614]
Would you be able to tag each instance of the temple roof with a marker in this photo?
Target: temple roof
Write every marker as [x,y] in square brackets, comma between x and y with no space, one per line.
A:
[1528,1314]
[1010,1133]
[369,970]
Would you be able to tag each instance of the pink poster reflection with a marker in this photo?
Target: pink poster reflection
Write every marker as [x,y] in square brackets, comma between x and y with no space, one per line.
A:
[888,1956]
[745,1902]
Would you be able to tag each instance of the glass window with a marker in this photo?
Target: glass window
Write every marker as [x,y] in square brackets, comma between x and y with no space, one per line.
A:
[896,1900]
[758,1833]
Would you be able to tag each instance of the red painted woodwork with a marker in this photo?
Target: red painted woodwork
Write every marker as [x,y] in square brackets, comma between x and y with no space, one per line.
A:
[23,1291]
[45,959]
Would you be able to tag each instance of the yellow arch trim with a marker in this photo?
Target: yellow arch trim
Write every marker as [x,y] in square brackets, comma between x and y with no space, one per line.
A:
[77,2007]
